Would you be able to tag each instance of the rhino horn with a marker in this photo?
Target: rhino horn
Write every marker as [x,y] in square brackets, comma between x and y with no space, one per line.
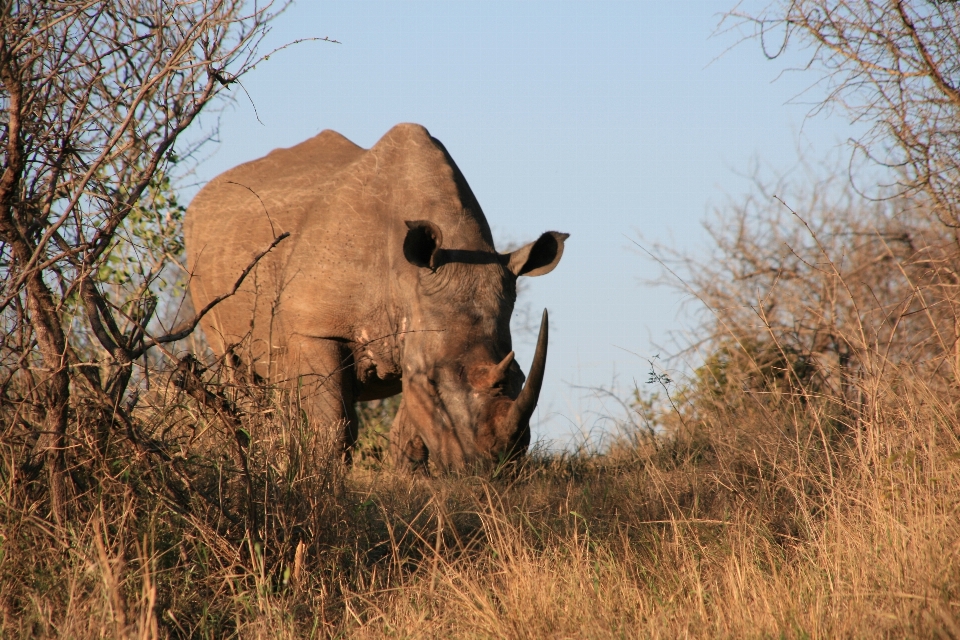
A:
[526,402]
[498,372]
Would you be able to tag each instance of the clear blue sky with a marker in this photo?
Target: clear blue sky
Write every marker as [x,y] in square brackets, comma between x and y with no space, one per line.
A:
[606,120]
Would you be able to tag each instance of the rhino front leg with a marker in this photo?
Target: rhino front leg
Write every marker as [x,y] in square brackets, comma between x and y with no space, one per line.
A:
[322,376]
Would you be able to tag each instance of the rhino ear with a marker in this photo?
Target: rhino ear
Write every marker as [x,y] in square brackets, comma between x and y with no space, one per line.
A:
[538,258]
[422,243]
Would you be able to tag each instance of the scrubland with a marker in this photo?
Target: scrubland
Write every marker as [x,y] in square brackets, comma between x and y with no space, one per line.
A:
[803,481]
[794,472]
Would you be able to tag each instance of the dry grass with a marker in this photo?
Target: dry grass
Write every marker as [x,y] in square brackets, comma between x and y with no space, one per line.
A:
[755,519]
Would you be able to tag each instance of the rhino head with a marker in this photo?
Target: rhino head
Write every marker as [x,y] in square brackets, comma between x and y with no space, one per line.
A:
[466,402]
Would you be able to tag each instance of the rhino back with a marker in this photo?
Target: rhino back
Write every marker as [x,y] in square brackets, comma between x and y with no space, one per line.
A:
[239,213]
[342,273]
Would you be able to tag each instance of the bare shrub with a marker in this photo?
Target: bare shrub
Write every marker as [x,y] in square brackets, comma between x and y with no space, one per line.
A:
[823,290]
[892,64]
[95,98]
[851,283]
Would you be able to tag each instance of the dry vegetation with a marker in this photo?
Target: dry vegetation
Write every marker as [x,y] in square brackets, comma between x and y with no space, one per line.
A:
[803,482]
[760,509]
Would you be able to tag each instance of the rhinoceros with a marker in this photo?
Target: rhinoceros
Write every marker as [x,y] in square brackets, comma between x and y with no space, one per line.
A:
[388,282]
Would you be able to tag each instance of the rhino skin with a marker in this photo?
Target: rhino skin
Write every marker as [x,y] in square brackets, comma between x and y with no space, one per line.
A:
[388,282]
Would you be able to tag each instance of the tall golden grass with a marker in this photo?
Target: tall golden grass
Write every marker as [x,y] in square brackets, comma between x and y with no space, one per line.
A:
[753,522]
[789,488]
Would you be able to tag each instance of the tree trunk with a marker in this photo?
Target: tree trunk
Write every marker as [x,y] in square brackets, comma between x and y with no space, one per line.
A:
[40,303]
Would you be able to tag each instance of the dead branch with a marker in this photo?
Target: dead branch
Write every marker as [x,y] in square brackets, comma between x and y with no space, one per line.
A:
[186,328]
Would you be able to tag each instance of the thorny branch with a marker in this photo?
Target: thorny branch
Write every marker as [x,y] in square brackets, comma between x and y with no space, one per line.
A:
[95,98]
[892,63]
